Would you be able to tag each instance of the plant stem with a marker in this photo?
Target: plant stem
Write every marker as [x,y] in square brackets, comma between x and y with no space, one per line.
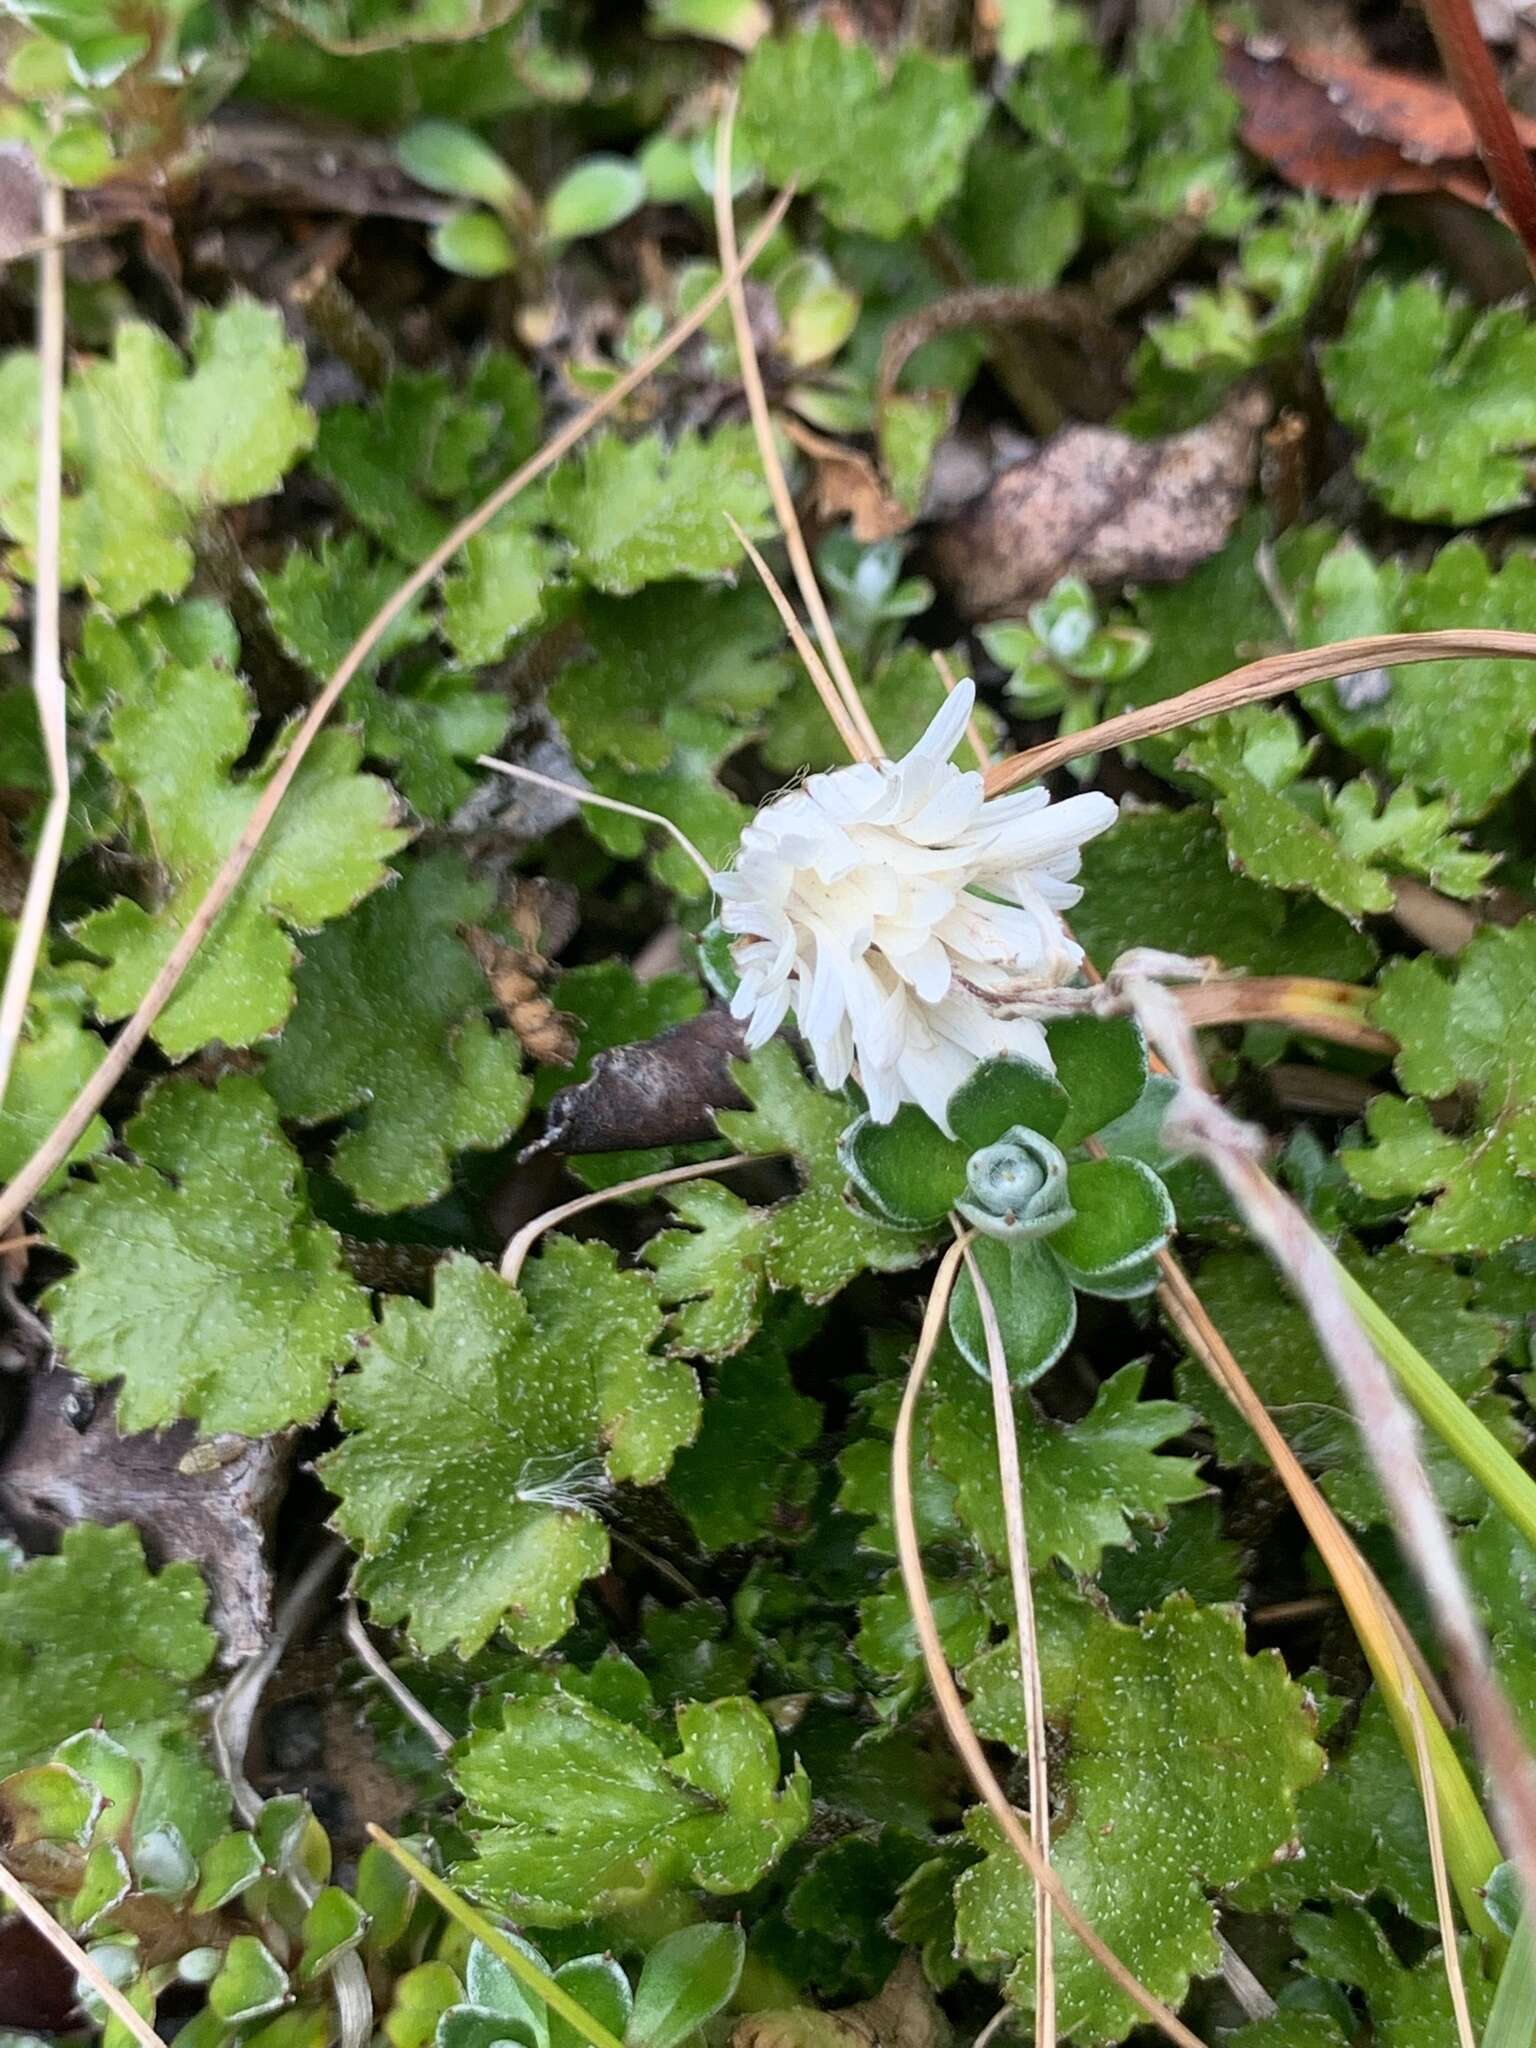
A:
[1512,2020]
[1471,69]
[1470,1442]
[538,1981]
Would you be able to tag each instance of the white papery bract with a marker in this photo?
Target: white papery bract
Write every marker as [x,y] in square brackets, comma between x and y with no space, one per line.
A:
[905,919]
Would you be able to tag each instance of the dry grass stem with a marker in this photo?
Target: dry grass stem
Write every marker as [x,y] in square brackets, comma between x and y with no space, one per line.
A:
[805,647]
[1334,1010]
[1026,1638]
[1271,677]
[574,790]
[947,1694]
[56,1147]
[1388,1431]
[412,1708]
[1445,1914]
[762,427]
[88,1972]
[515,1256]
[47,676]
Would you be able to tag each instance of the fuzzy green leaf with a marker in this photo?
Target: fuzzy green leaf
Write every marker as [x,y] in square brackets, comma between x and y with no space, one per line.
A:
[91,1635]
[55,1057]
[817,1242]
[1084,1485]
[882,153]
[174,742]
[410,1051]
[1443,397]
[1152,1819]
[200,1280]
[1473,1027]
[493,1411]
[712,1270]
[1407,2006]
[572,1812]
[150,447]
[1396,718]
[638,512]
[1034,1303]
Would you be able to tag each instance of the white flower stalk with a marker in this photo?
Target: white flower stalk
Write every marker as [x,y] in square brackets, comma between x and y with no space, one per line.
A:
[905,920]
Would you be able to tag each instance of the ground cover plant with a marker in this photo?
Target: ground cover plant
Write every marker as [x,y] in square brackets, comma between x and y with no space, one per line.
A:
[767,1084]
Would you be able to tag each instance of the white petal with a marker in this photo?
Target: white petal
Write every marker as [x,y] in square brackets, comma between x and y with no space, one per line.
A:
[948,723]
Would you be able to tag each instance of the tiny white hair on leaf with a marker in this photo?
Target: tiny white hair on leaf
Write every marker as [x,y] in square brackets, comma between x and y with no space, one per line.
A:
[906,921]
[555,1480]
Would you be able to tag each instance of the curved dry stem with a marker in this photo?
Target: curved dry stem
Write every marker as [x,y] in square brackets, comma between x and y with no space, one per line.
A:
[574,790]
[1025,1635]
[762,428]
[1388,1432]
[946,1693]
[515,1256]
[47,677]
[1273,676]
[374,1661]
[1445,1914]
[56,1147]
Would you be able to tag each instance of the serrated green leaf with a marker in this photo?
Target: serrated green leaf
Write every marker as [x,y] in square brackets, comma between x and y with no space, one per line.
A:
[1272,1335]
[173,744]
[91,1634]
[572,1812]
[55,1057]
[712,1270]
[1151,1818]
[1396,718]
[201,1282]
[638,512]
[495,591]
[745,1460]
[1085,1483]
[1473,1028]
[412,1054]
[425,721]
[495,1409]
[1444,399]
[817,1242]
[882,153]
[1188,1554]
[1161,879]
[151,447]
[1407,2006]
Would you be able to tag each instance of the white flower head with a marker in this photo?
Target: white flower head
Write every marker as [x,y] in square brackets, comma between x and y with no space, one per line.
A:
[905,919]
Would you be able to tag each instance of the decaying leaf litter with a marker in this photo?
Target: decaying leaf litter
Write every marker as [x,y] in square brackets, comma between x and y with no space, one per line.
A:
[1083,404]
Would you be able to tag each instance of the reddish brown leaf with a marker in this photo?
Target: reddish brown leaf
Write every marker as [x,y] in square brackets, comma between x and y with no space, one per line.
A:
[1352,131]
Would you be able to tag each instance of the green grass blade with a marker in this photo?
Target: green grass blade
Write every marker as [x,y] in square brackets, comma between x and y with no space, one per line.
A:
[1512,2021]
[538,1982]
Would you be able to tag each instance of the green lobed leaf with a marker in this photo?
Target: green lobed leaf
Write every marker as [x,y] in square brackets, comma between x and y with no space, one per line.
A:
[1151,1819]
[1471,1028]
[712,1271]
[572,1812]
[411,1053]
[1407,2005]
[497,1411]
[817,1242]
[55,1057]
[638,512]
[745,1461]
[882,153]
[1444,399]
[201,1282]
[151,447]
[173,743]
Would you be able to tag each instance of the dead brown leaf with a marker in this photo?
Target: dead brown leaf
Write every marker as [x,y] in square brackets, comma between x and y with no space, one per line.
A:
[1350,130]
[905,2014]
[660,1092]
[1093,502]
[848,486]
[209,1501]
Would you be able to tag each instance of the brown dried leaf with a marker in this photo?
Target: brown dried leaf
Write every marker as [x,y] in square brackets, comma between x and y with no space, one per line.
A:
[847,485]
[1351,130]
[208,1502]
[1093,502]
[904,2014]
[660,1092]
